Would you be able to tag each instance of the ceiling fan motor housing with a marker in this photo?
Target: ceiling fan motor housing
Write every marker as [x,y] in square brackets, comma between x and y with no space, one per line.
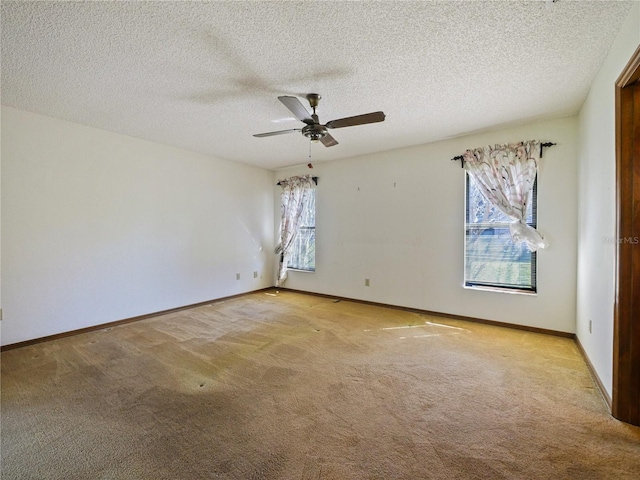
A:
[314,132]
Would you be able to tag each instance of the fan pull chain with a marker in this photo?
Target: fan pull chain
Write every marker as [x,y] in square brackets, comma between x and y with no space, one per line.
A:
[309,164]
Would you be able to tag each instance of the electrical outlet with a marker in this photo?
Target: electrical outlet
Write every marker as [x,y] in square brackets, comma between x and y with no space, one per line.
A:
[590,325]
[237,276]
[366,282]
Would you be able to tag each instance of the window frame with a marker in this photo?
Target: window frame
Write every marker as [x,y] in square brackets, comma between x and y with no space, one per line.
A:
[496,287]
[297,268]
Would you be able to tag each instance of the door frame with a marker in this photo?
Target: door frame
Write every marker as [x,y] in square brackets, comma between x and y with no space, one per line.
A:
[626,327]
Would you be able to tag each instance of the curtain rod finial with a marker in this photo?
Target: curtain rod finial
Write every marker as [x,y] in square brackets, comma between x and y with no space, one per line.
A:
[459,157]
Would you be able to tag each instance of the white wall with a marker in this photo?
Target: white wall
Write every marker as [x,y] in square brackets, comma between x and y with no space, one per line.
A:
[397,218]
[0,229]
[596,233]
[98,227]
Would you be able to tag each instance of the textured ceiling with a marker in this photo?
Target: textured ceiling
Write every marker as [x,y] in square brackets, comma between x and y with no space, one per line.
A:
[206,75]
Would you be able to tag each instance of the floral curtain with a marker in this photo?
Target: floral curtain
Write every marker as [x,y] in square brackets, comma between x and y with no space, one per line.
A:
[293,201]
[505,175]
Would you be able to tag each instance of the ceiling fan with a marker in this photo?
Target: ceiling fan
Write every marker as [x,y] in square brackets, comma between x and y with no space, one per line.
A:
[313,129]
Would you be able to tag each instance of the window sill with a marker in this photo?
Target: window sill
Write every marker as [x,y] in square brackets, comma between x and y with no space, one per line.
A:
[289,269]
[512,291]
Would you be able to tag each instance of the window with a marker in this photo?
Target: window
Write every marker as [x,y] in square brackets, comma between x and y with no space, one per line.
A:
[303,250]
[492,259]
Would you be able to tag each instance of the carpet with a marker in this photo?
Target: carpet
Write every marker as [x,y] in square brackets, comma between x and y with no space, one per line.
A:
[295,386]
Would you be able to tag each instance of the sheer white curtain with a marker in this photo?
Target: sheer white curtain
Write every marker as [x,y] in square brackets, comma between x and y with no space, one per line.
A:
[505,175]
[293,201]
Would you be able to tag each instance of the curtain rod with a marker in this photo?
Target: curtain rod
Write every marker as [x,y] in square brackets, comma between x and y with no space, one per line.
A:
[315,180]
[546,144]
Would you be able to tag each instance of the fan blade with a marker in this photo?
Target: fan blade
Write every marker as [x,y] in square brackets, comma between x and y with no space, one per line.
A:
[328,140]
[297,108]
[279,132]
[357,120]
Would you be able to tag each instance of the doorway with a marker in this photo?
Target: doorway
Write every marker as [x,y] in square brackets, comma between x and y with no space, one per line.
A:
[626,334]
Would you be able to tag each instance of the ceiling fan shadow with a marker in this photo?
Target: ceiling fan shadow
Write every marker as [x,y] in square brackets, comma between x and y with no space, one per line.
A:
[246,81]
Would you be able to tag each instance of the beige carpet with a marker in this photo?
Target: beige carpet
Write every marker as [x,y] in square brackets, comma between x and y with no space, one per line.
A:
[300,387]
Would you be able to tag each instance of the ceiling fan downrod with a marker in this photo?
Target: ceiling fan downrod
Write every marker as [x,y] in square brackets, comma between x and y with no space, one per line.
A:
[315,131]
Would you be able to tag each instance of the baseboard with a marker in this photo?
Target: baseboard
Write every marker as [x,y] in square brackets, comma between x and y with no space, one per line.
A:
[115,323]
[594,374]
[544,331]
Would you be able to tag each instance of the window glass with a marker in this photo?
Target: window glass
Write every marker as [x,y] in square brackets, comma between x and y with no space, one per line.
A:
[303,250]
[492,259]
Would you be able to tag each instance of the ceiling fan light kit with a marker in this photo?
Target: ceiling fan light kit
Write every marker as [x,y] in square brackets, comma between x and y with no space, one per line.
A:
[314,130]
